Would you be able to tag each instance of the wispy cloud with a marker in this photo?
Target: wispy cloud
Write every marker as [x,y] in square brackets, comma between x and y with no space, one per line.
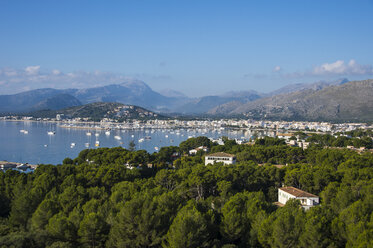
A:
[33,77]
[326,71]
[339,67]
[32,70]
[277,68]
[8,72]
[56,72]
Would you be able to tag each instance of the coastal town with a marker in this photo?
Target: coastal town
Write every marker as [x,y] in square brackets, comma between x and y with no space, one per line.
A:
[203,123]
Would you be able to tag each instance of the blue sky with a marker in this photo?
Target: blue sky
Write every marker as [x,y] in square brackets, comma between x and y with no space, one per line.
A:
[196,47]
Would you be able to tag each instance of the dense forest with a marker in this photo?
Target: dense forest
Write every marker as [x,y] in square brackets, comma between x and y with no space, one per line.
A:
[121,198]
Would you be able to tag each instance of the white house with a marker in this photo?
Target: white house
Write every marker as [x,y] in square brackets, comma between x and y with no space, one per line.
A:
[285,136]
[307,200]
[195,150]
[226,158]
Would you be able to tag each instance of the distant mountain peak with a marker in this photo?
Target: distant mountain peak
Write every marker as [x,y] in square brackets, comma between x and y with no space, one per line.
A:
[135,83]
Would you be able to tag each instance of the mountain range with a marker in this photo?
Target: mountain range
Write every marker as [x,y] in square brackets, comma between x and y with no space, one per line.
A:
[132,92]
[352,101]
[323,100]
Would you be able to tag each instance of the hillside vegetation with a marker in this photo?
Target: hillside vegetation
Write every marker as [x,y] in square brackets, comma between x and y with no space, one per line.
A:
[94,200]
[99,110]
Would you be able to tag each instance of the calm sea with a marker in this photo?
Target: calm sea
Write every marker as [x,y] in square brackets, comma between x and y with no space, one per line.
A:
[38,147]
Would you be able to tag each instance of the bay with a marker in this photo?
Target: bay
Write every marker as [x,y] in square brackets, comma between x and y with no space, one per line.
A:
[37,147]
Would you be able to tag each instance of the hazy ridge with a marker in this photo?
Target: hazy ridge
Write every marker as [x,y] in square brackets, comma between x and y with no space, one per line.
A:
[335,101]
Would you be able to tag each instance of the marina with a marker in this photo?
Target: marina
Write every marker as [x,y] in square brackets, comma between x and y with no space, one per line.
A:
[50,143]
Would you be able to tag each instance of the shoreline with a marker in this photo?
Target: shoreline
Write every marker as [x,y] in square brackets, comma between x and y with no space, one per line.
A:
[91,125]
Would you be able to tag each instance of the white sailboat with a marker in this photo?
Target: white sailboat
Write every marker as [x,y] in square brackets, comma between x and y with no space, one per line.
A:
[51,131]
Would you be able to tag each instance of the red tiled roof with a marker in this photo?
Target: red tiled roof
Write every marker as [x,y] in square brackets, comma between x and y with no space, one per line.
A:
[297,192]
[221,154]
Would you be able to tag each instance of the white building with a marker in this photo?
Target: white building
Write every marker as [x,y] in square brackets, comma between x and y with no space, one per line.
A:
[59,117]
[226,158]
[307,200]
[285,136]
[195,150]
